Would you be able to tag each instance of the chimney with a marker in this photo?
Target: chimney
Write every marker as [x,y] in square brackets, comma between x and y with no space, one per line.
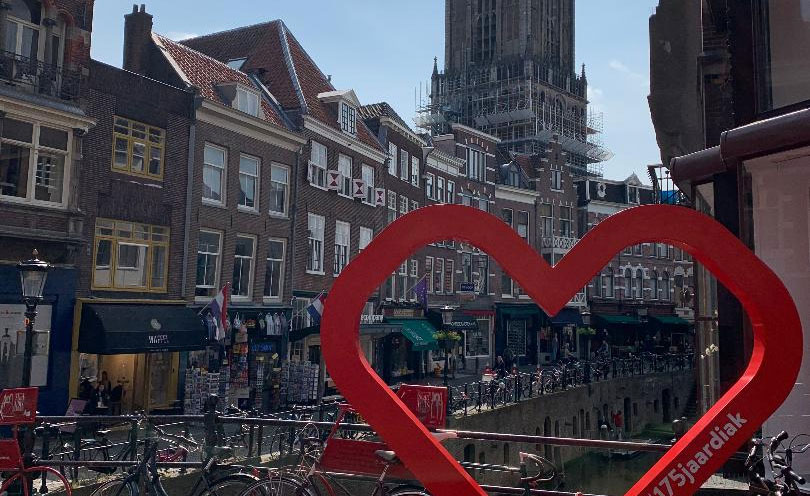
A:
[137,39]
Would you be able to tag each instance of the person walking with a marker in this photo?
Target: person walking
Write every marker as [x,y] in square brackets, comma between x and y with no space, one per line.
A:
[500,368]
[555,348]
[618,423]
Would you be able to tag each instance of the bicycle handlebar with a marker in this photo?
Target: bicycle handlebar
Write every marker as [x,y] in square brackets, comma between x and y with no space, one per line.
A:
[541,462]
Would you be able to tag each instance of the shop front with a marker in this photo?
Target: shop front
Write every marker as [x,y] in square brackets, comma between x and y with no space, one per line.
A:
[517,331]
[412,352]
[130,353]
[670,333]
[623,332]
[564,327]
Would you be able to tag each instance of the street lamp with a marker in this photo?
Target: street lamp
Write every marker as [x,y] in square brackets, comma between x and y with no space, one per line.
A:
[447,319]
[33,274]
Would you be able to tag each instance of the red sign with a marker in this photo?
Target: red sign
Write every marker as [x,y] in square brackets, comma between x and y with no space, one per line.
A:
[18,406]
[429,403]
[10,456]
[774,365]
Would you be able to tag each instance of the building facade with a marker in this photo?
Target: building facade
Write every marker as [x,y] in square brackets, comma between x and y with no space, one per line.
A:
[45,60]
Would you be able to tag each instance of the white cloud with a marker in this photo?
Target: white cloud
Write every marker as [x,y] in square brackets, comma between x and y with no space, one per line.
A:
[638,77]
[180,35]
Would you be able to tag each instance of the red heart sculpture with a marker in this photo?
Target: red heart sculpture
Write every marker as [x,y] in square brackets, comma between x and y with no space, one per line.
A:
[770,375]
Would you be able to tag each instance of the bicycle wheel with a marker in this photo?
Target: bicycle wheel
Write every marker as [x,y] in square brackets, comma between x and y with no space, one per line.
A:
[117,487]
[406,491]
[279,486]
[230,485]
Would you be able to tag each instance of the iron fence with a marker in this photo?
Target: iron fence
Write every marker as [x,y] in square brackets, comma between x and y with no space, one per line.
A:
[39,77]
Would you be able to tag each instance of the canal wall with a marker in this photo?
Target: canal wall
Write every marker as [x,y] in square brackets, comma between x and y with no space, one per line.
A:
[644,401]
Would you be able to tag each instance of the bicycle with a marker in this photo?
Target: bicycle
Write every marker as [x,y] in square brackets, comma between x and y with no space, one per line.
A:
[145,479]
[785,481]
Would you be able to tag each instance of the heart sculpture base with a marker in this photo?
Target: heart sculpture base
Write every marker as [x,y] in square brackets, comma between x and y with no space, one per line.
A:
[771,373]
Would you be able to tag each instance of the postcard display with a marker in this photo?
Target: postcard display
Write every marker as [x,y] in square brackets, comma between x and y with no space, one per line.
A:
[299,382]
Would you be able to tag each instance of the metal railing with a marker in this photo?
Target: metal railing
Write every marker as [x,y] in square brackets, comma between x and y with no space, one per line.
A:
[39,77]
[488,394]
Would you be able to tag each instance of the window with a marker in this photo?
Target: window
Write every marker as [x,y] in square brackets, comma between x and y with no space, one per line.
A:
[506,215]
[449,279]
[403,165]
[429,178]
[138,148]
[466,267]
[368,178]
[476,163]
[403,205]
[317,165]
[565,222]
[609,283]
[429,273]
[451,192]
[316,228]
[392,159]
[478,340]
[366,235]
[483,204]
[345,169]
[247,101]
[507,288]
[248,182]
[638,284]
[440,189]
[628,283]
[403,281]
[130,256]
[348,118]
[236,64]
[438,280]
[392,206]
[414,205]
[523,225]
[414,268]
[556,180]
[214,174]
[342,240]
[242,284]
[632,194]
[22,33]
[637,250]
[546,220]
[665,286]
[279,189]
[660,250]
[33,162]
[209,248]
[415,164]
[654,285]
[274,270]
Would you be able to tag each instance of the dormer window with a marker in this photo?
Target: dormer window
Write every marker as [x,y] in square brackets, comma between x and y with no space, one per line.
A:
[236,64]
[246,101]
[348,118]
[632,194]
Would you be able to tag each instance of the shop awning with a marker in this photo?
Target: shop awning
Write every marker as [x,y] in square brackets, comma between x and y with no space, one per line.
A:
[365,329]
[419,332]
[608,319]
[670,320]
[460,323]
[528,310]
[114,329]
[567,316]
[299,334]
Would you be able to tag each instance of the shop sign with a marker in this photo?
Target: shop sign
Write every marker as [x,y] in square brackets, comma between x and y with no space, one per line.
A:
[18,406]
[403,312]
[466,287]
[371,319]
[158,339]
[263,347]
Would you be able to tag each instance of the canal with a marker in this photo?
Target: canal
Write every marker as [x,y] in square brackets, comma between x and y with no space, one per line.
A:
[595,473]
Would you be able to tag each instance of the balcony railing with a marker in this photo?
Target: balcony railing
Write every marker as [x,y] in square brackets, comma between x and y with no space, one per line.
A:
[37,77]
[579,300]
[562,243]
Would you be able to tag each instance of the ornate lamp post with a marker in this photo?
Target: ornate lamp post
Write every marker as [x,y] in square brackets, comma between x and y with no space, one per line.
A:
[586,321]
[447,319]
[33,274]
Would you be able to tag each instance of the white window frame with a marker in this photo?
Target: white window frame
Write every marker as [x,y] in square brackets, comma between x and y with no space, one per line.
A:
[317,164]
[450,268]
[414,268]
[366,236]
[256,184]
[403,205]
[33,160]
[367,173]
[527,224]
[430,184]
[440,181]
[393,159]
[343,244]
[251,278]
[312,239]
[217,265]
[244,99]
[429,272]
[404,157]
[283,242]
[223,171]
[476,165]
[344,166]
[415,171]
[284,214]
[391,206]
[437,262]
[414,205]
[451,192]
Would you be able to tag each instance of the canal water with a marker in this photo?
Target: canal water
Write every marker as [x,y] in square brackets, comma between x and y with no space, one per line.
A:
[596,474]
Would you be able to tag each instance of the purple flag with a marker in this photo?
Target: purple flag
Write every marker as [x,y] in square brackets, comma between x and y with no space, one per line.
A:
[420,290]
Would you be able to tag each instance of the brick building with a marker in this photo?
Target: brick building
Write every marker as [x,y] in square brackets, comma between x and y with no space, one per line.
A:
[45,60]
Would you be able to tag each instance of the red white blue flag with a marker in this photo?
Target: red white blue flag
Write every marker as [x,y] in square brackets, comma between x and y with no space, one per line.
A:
[315,308]
[219,310]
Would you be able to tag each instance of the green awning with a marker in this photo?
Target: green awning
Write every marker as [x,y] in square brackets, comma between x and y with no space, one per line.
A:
[419,332]
[608,319]
[670,320]
[527,310]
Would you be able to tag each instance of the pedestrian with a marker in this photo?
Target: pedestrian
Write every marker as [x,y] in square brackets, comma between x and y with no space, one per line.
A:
[555,348]
[618,423]
[508,358]
[500,368]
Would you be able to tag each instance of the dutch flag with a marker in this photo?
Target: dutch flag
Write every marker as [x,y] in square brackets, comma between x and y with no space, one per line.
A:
[219,310]
[315,308]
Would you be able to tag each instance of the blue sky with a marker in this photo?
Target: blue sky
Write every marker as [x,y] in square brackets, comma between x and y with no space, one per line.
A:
[383,49]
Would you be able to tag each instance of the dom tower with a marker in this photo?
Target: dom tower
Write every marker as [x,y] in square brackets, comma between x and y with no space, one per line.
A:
[509,72]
